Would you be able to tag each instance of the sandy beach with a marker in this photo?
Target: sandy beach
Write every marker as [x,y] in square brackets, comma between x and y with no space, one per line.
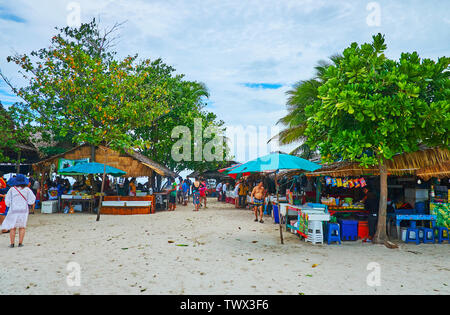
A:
[222,252]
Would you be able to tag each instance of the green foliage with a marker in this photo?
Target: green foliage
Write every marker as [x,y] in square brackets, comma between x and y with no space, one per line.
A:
[371,108]
[303,93]
[15,130]
[78,92]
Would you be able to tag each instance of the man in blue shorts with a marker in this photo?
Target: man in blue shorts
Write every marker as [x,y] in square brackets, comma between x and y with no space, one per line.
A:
[258,195]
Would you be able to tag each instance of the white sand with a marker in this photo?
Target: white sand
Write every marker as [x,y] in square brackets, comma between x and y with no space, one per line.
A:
[132,255]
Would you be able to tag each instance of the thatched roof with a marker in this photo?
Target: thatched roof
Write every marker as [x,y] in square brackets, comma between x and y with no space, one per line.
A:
[427,163]
[132,162]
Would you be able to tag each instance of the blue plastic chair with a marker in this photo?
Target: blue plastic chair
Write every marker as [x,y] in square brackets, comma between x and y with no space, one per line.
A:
[440,236]
[425,233]
[333,234]
[416,239]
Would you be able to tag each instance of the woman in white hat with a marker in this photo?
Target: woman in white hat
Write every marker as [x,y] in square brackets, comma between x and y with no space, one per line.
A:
[18,198]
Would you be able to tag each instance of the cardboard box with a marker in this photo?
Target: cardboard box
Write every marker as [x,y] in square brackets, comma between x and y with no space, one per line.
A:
[50,206]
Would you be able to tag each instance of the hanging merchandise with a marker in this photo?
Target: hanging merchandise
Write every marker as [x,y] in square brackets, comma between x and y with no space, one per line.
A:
[339,182]
[328,181]
[363,182]
[333,182]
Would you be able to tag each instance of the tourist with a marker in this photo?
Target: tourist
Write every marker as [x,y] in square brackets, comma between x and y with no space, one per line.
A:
[219,191]
[18,199]
[132,186]
[196,193]
[203,192]
[258,195]
[371,204]
[224,192]
[180,190]
[236,194]
[173,195]
[185,188]
[3,208]
[243,191]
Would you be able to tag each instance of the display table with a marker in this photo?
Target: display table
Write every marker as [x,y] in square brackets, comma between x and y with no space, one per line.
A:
[305,213]
[86,202]
[128,205]
[410,217]
[334,210]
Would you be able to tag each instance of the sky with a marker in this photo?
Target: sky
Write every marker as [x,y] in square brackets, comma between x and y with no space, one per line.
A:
[247,52]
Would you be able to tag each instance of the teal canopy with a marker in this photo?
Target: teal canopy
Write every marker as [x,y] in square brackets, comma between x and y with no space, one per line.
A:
[275,162]
[91,168]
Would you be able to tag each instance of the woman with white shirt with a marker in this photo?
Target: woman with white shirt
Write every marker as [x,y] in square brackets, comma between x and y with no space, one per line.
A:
[18,198]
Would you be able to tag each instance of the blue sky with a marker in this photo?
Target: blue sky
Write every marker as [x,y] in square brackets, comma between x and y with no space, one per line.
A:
[248,53]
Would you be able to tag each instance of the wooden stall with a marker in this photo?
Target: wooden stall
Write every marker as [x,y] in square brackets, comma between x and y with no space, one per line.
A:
[130,161]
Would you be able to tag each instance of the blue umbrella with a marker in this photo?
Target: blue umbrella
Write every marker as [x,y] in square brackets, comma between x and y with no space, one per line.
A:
[91,168]
[273,163]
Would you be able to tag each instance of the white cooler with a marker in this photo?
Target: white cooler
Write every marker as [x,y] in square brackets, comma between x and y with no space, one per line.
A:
[50,206]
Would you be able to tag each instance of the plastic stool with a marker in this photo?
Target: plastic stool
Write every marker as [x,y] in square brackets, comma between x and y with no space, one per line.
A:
[440,236]
[333,234]
[315,232]
[428,235]
[416,239]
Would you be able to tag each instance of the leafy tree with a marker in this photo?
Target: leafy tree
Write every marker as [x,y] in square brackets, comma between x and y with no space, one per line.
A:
[303,93]
[77,88]
[188,105]
[15,132]
[372,108]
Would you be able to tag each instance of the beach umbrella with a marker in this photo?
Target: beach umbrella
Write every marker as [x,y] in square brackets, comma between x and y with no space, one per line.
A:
[275,162]
[91,168]
[227,171]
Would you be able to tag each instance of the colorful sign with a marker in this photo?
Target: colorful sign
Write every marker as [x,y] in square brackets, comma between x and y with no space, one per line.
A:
[442,213]
[65,163]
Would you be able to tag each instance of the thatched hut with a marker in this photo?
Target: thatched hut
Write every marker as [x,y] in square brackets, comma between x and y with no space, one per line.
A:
[426,163]
[130,161]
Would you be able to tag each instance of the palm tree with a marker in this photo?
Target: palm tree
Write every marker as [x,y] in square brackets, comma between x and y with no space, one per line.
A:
[302,94]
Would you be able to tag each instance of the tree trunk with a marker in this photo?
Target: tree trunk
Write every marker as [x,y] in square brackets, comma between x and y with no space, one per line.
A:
[103,186]
[381,236]
[19,154]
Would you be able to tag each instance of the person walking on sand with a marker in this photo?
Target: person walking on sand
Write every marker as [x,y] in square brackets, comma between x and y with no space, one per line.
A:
[203,192]
[196,193]
[18,199]
[258,195]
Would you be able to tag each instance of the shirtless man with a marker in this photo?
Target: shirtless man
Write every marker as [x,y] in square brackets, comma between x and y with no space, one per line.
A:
[257,197]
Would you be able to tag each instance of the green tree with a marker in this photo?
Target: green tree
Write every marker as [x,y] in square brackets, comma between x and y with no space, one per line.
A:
[77,88]
[371,108]
[303,93]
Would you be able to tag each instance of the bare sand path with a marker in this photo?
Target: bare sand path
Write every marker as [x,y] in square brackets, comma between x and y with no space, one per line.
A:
[226,253]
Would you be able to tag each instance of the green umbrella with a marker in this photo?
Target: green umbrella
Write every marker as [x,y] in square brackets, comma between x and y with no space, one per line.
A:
[91,168]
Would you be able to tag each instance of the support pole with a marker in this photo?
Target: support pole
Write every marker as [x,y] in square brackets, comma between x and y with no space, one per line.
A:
[279,208]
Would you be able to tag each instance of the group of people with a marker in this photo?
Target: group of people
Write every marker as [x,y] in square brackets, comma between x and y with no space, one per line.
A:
[182,190]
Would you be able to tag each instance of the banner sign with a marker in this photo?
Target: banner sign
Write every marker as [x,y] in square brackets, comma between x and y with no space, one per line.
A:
[64,163]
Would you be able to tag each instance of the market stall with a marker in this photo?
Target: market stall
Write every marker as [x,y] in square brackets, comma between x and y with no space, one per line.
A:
[417,192]
[131,162]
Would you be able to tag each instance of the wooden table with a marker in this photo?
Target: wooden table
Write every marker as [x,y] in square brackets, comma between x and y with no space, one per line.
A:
[71,200]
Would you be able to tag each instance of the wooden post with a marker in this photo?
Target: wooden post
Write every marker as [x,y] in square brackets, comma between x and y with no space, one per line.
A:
[318,188]
[279,208]
[18,162]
